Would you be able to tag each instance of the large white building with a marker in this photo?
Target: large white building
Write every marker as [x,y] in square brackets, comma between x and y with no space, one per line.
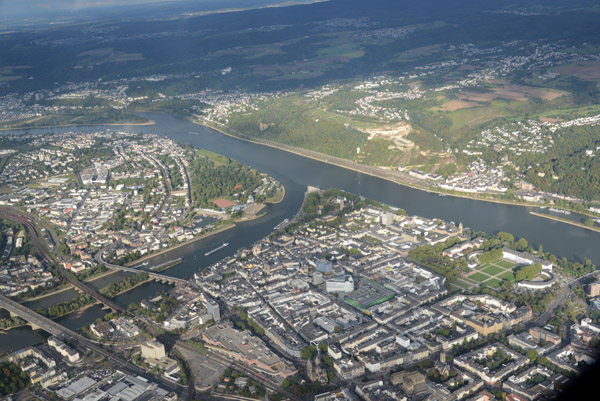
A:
[524,258]
[340,284]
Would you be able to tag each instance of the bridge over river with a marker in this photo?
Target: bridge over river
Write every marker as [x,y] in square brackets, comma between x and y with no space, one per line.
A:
[155,276]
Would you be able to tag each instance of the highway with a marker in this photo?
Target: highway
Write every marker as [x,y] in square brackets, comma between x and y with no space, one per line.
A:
[28,222]
[56,329]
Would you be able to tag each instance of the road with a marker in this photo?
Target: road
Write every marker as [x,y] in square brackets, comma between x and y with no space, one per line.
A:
[561,298]
[157,276]
[29,223]
[56,329]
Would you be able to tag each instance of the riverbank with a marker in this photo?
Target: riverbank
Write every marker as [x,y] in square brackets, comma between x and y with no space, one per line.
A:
[67,287]
[280,199]
[149,122]
[378,172]
[567,221]
[123,291]
[172,248]
[6,330]
[203,236]
[76,312]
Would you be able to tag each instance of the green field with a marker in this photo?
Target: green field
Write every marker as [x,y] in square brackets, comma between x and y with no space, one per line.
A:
[506,264]
[493,274]
[479,277]
[461,284]
[507,276]
[494,283]
[493,270]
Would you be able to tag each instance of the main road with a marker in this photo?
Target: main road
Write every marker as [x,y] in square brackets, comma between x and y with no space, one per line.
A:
[561,298]
[56,329]
[29,223]
[156,276]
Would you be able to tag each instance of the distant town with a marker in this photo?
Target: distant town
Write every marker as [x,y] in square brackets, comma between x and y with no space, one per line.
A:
[378,110]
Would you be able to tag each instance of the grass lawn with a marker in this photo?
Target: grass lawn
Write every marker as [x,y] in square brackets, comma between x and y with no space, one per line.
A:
[479,277]
[494,283]
[506,264]
[461,284]
[507,276]
[493,270]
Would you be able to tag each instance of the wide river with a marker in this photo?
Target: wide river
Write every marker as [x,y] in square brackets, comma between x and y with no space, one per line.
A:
[296,173]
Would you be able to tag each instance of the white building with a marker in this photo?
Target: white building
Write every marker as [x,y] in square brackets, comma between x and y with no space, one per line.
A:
[340,284]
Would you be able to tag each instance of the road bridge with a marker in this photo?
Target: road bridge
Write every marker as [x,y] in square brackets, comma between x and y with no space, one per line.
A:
[36,320]
[155,276]
[50,326]
[28,222]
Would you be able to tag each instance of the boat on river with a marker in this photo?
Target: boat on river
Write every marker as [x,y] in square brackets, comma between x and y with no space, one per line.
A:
[216,249]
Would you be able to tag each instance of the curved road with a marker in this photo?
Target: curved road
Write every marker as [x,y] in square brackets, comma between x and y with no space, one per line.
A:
[28,222]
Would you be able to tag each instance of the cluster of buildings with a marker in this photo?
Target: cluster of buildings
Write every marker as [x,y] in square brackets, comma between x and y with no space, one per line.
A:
[371,104]
[20,273]
[53,157]
[41,364]
[479,178]
[515,139]
[153,353]
[225,103]
[194,310]
[126,199]
[242,346]
[376,310]
[530,136]
[351,288]
[58,371]
[300,298]
[103,385]
[21,106]
[116,329]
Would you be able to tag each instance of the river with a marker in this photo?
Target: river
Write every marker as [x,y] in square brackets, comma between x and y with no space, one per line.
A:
[296,173]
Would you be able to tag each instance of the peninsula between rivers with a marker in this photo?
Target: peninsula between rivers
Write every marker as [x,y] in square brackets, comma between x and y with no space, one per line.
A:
[130,196]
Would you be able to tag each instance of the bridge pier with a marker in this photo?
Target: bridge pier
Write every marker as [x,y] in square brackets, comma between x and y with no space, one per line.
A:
[33,326]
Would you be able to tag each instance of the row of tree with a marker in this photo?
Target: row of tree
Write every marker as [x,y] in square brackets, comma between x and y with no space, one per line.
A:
[66,307]
[115,288]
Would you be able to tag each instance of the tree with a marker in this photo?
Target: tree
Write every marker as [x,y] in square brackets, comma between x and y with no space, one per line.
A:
[532,355]
[323,347]
[308,352]
[528,272]
[506,237]
[589,222]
